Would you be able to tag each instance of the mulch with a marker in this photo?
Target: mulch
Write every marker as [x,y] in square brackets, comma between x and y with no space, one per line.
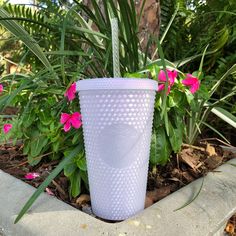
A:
[191,163]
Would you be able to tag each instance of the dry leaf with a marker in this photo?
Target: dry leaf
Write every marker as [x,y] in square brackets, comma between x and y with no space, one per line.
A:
[158,194]
[148,202]
[187,156]
[210,150]
[213,161]
[229,228]
[82,199]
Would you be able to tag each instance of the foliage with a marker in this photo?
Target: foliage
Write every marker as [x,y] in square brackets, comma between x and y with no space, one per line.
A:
[198,24]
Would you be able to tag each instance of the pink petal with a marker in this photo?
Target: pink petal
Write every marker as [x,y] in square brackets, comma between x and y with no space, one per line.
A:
[190,80]
[31,175]
[70,93]
[64,117]
[162,76]
[7,128]
[49,191]
[1,88]
[161,87]
[76,120]
[168,90]
[195,87]
[67,126]
[172,76]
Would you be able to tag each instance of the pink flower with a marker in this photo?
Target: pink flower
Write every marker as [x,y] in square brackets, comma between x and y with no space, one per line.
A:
[31,175]
[172,75]
[70,93]
[7,128]
[192,82]
[71,120]
[1,88]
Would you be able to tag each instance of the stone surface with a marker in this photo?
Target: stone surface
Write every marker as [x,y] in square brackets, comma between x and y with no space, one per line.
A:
[206,215]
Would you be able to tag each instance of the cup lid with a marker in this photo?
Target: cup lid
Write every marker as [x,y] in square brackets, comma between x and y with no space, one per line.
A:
[116,83]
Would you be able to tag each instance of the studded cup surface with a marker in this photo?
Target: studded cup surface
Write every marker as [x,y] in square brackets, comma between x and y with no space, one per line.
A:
[117,132]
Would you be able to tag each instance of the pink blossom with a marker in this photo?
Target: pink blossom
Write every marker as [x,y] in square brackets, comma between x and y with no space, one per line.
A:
[31,175]
[49,191]
[172,75]
[1,88]
[7,128]
[71,120]
[70,92]
[192,82]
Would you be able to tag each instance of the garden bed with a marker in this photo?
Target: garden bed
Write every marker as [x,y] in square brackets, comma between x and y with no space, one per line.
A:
[191,163]
[49,216]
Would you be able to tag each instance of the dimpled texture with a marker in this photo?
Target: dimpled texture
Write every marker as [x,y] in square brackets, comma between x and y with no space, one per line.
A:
[117,128]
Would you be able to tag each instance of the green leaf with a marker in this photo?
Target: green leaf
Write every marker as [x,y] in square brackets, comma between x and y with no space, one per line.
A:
[42,128]
[75,184]
[176,136]
[37,144]
[69,169]
[189,96]
[26,148]
[76,137]
[84,177]
[45,118]
[160,147]
[32,160]
[203,92]
[28,119]
[56,146]
[46,182]
[81,163]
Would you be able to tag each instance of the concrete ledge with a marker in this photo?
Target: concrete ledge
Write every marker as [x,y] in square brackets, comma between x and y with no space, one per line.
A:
[49,216]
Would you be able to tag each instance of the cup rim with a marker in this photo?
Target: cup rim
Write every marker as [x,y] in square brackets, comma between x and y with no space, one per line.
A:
[116,83]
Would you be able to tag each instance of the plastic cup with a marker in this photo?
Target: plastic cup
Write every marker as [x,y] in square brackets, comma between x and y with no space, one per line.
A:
[117,116]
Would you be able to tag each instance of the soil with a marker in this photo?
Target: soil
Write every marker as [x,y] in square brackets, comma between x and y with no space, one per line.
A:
[191,163]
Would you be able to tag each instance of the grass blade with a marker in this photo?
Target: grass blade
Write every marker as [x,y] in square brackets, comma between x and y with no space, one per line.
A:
[167,29]
[227,73]
[189,202]
[46,182]
[216,131]
[224,115]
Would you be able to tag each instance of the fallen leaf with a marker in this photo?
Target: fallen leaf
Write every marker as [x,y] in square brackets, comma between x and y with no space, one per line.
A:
[213,161]
[158,194]
[210,150]
[229,228]
[148,202]
[187,156]
[187,176]
[82,199]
